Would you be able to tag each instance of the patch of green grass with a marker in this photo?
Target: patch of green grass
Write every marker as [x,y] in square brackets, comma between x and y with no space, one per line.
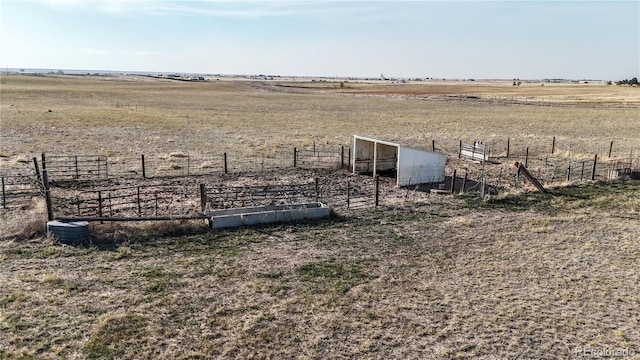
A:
[159,280]
[123,252]
[114,335]
[606,196]
[338,275]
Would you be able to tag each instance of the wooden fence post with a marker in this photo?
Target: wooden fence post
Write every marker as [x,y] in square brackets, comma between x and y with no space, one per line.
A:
[569,172]
[460,150]
[295,157]
[317,180]
[342,157]
[595,161]
[433,145]
[553,146]
[144,173]
[225,164]
[610,148]
[47,191]
[508,146]
[453,182]
[464,182]
[203,197]
[526,159]
[349,158]
[377,191]
[76,161]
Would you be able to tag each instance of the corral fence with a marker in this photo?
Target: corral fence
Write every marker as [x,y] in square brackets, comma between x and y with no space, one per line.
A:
[475,152]
[621,167]
[76,167]
[338,193]
[322,158]
[225,197]
[581,170]
[94,167]
[160,202]
[134,201]
[19,190]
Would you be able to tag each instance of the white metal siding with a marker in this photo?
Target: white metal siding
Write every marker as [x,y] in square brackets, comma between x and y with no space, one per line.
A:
[419,167]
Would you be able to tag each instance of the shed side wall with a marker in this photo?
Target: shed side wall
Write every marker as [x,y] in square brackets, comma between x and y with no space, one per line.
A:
[419,167]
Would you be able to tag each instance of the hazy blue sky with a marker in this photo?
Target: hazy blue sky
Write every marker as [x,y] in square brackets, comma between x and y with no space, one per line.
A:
[452,39]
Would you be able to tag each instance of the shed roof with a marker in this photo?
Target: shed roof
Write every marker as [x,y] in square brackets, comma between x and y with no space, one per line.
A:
[389,143]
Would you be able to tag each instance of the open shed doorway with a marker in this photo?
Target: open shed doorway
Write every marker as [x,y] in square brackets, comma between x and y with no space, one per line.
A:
[407,165]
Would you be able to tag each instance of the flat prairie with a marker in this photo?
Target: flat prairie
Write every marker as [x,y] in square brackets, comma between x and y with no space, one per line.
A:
[135,115]
[518,275]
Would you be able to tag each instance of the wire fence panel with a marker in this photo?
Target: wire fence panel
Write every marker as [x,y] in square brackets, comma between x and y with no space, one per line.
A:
[580,170]
[619,167]
[320,159]
[237,163]
[225,197]
[77,167]
[135,201]
[19,190]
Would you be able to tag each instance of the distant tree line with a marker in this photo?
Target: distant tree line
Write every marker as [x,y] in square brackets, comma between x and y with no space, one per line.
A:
[633,81]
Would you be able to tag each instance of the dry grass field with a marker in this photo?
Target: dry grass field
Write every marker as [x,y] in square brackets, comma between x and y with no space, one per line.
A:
[520,275]
[112,116]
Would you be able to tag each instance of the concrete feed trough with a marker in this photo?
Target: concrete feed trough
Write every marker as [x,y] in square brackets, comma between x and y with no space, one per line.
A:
[255,215]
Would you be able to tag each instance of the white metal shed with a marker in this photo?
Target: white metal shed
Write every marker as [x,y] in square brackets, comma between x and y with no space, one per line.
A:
[413,166]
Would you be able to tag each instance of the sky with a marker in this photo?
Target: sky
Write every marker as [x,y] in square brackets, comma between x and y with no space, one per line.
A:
[404,39]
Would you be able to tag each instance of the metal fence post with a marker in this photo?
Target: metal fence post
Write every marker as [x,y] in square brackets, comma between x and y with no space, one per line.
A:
[225,163]
[593,172]
[144,173]
[295,157]
[35,165]
[44,165]
[553,146]
[100,203]
[508,146]
[348,193]
[4,196]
